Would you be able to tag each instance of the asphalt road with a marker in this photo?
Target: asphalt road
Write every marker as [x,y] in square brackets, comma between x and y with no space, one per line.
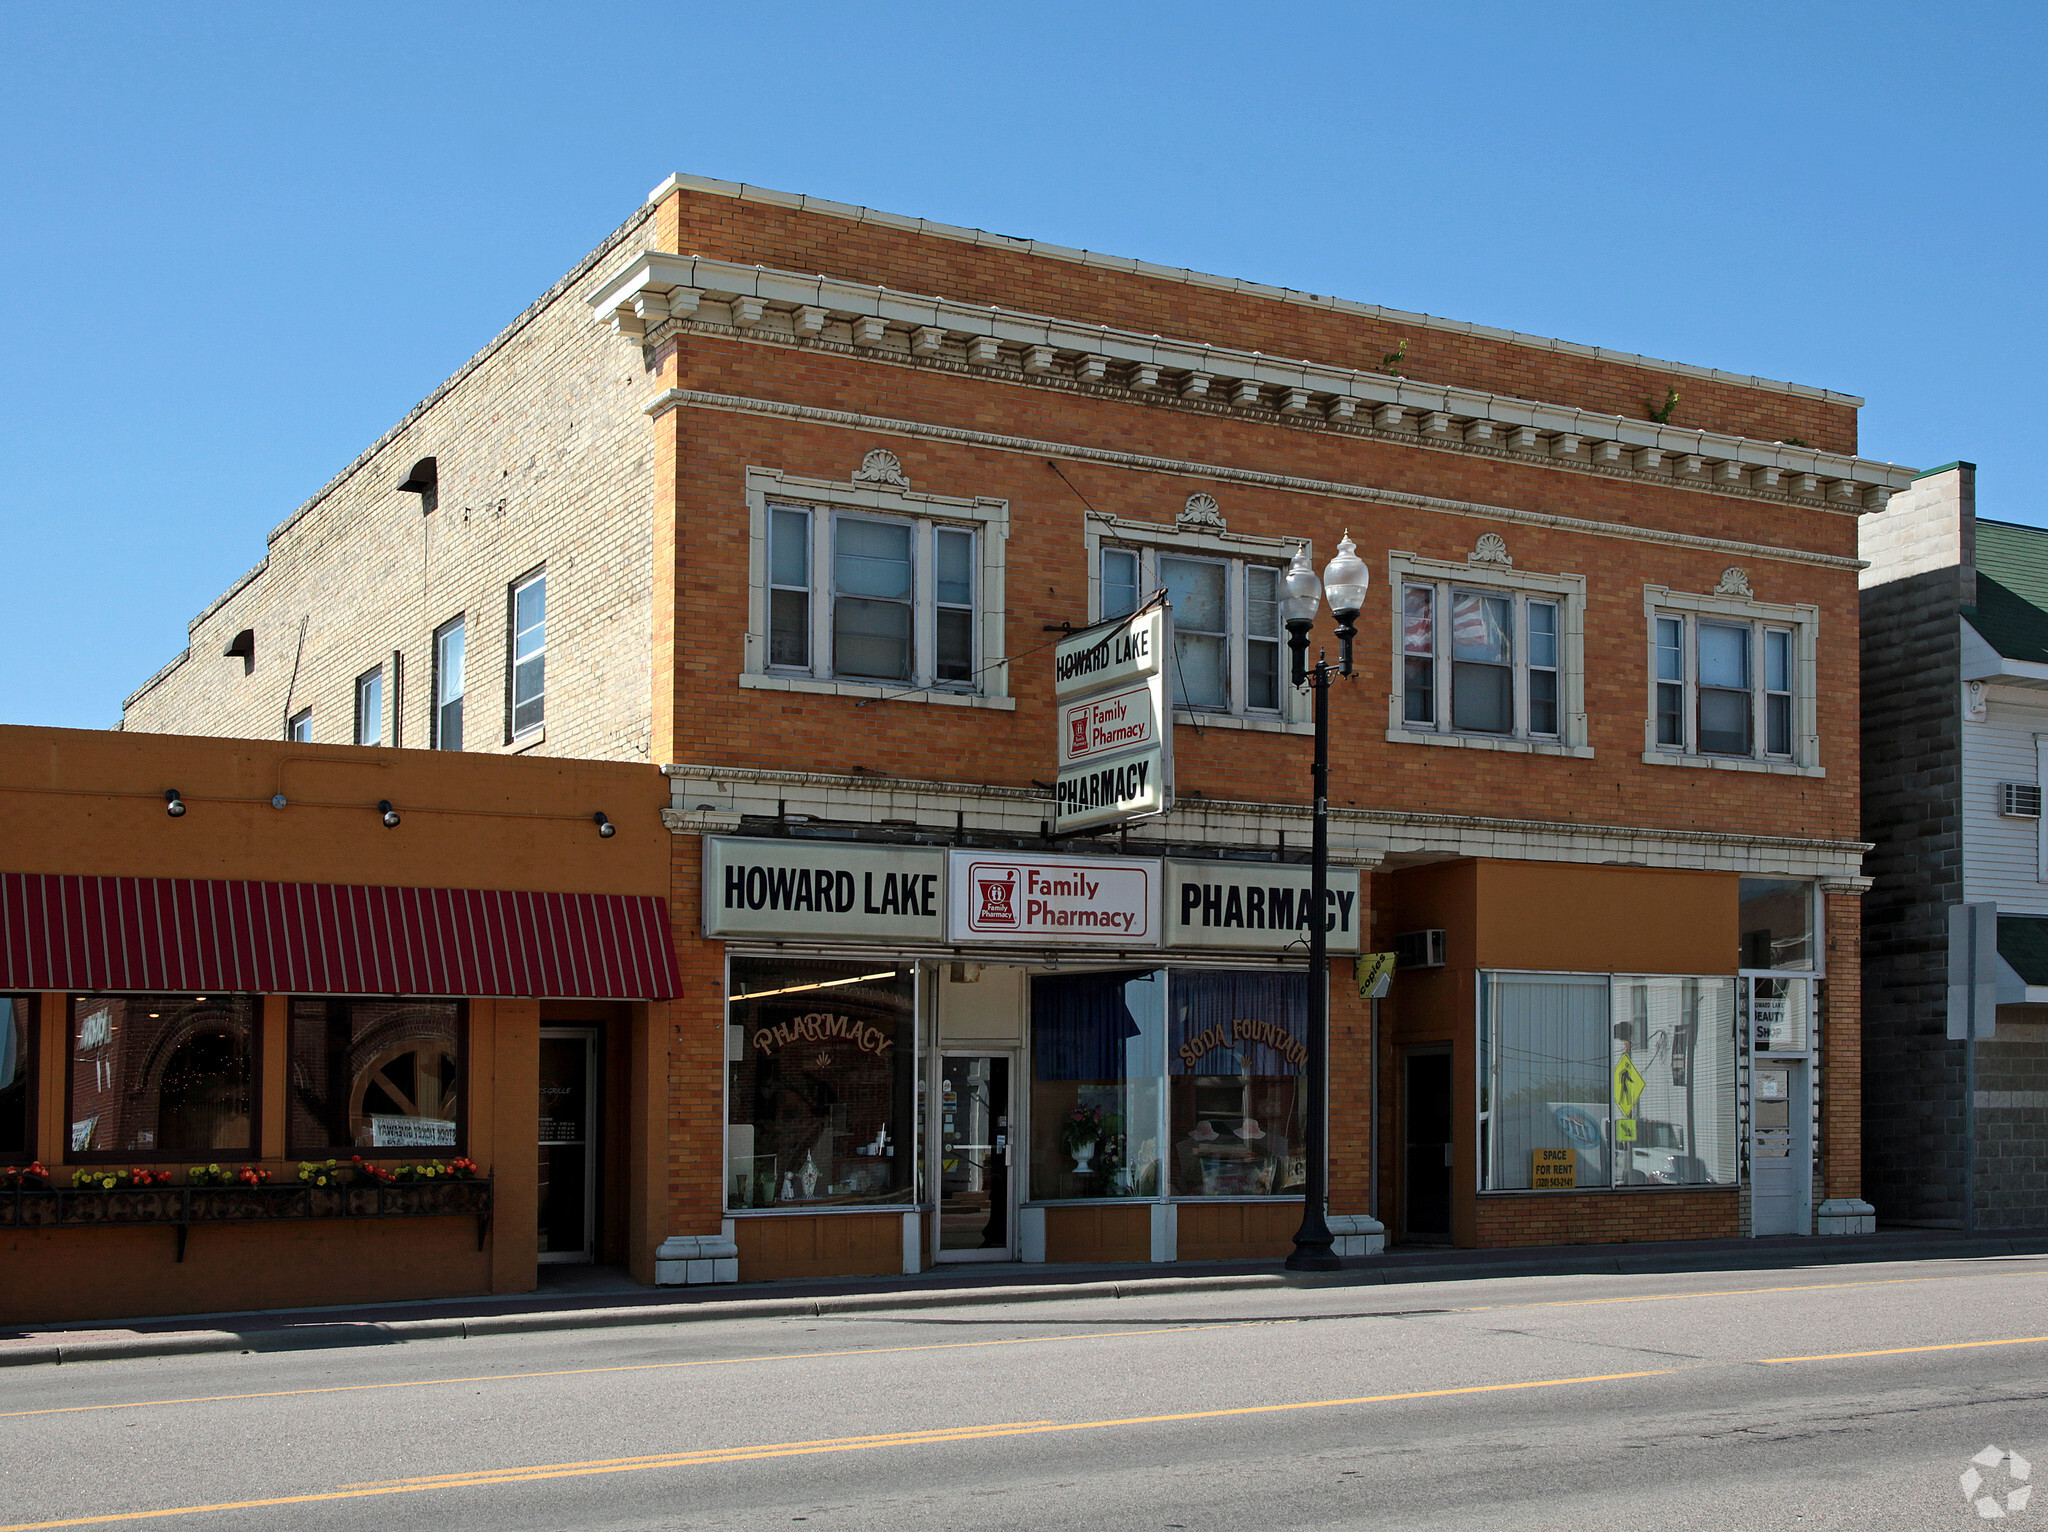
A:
[1851,1397]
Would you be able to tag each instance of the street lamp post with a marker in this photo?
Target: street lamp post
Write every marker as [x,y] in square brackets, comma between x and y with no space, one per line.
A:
[1344,581]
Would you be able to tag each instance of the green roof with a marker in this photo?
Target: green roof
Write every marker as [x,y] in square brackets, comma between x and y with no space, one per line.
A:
[2012,590]
[2023,942]
[2016,557]
[2010,624]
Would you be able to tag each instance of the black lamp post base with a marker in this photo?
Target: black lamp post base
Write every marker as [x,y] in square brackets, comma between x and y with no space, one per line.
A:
[1321,1257]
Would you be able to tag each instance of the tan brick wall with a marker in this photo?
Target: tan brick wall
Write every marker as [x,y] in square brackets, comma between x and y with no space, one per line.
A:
[544,460]
[1841,1049]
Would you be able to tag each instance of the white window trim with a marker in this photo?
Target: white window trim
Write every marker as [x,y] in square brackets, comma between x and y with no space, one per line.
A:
[1149,539]
[523,737]
[1567,590]
[1802,619]
[356,733]
[988,518]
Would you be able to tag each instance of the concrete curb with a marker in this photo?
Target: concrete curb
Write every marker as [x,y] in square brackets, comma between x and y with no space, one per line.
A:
[396,1332]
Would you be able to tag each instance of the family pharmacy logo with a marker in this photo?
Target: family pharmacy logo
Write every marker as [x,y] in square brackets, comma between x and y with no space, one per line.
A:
[1990,1507]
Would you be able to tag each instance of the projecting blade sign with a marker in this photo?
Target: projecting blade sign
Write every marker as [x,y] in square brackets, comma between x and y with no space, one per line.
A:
[1115,721]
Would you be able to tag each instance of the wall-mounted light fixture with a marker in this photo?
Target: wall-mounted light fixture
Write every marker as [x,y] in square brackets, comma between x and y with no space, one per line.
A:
[390,814]
[173,804]
[604,826]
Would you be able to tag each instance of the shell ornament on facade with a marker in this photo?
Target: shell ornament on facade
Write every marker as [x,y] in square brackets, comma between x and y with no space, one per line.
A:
[1201,513]
[881,466]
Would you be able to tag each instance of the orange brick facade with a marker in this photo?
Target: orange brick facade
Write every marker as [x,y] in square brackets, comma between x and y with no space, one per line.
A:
[739,402]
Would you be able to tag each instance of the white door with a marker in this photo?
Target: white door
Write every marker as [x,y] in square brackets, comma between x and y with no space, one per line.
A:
[1780,1154]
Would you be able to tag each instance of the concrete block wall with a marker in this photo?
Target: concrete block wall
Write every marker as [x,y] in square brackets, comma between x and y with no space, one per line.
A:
[544,461]
[2012,1129]
[1912,813]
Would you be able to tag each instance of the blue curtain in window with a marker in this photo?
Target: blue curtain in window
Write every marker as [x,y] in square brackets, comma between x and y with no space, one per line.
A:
[1080,1024]
[1238,1023]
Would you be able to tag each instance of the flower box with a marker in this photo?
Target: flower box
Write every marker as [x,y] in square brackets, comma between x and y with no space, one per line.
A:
[180,1207]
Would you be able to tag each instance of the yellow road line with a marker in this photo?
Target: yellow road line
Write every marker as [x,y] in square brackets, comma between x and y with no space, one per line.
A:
[1025,1340]
[486,1478]
[882,1439]
[1968,1345]
[577,1372]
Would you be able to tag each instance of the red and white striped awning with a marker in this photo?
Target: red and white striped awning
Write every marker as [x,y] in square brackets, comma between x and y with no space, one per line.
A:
[176,935]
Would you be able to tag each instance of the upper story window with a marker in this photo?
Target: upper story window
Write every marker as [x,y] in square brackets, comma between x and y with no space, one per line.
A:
[1731,680]
[529,654]
[448,645]
[871,587]
[370,707]
[299,727]
[1226,623]
[1487,655]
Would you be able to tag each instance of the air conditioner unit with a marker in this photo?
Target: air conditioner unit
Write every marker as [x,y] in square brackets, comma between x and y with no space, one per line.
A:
[1419,949]
[2019,800]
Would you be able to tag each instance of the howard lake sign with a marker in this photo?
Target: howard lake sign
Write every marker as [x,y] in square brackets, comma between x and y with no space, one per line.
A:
[1115,721]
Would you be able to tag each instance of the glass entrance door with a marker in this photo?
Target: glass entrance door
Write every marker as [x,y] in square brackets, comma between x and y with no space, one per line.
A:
[1780,1165]
[976,1189]
[568,1144]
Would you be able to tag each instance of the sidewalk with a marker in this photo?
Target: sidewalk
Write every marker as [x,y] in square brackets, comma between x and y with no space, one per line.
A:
[579,1298]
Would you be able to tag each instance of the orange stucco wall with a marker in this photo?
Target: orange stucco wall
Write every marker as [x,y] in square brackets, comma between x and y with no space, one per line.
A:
[91,803]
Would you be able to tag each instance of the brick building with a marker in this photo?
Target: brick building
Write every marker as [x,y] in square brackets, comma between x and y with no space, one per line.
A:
[795,499]
[1955,667]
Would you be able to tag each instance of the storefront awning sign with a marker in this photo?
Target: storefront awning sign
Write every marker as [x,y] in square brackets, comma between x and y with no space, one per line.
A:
[1256,907]
[755,886]
[1045,901]
[1115,722]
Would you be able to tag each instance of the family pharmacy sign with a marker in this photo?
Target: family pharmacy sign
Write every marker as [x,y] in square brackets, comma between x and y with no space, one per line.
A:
[1115,722]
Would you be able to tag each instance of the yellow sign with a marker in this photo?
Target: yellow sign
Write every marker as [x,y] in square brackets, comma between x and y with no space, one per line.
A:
[1624,1130]
[1554,1169]
[1375,971]
[1628,1087]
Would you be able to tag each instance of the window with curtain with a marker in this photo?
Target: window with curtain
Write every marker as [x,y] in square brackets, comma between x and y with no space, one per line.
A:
[17,1080]
[1097,1046]
[162,1076]
[1481,661]
[1238,1102]
[1632,1075]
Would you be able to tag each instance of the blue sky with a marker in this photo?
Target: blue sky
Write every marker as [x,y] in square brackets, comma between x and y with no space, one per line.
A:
[237,242]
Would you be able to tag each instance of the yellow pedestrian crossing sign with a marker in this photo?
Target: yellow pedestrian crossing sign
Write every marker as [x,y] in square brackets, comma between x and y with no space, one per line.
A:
[1628,1086]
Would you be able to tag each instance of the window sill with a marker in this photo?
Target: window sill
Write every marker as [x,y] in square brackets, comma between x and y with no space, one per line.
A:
[1731,763]
[1489,742]
[872,691]
[1659,1187]
[1249,723]
[521,743]
[828,1209]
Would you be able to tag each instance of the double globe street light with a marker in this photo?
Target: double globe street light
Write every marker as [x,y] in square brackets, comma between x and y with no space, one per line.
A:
[1344,583]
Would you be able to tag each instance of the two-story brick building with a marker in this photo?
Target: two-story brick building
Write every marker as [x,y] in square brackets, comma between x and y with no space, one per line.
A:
[795,499]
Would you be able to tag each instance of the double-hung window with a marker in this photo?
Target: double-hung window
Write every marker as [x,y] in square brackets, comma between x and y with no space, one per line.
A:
[448,686]
[1730,682]
[299,727]
[862,597]
[1484,656]
[370,707]
[1226,623]
[529,654]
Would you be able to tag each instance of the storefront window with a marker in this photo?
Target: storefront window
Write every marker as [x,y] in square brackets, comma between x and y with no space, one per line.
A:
[162,1076]
[822,1061]
[1096,1065]
[1591,1081]
[371,1075]
[16,1078]
[1776,923]
[1236,1050]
